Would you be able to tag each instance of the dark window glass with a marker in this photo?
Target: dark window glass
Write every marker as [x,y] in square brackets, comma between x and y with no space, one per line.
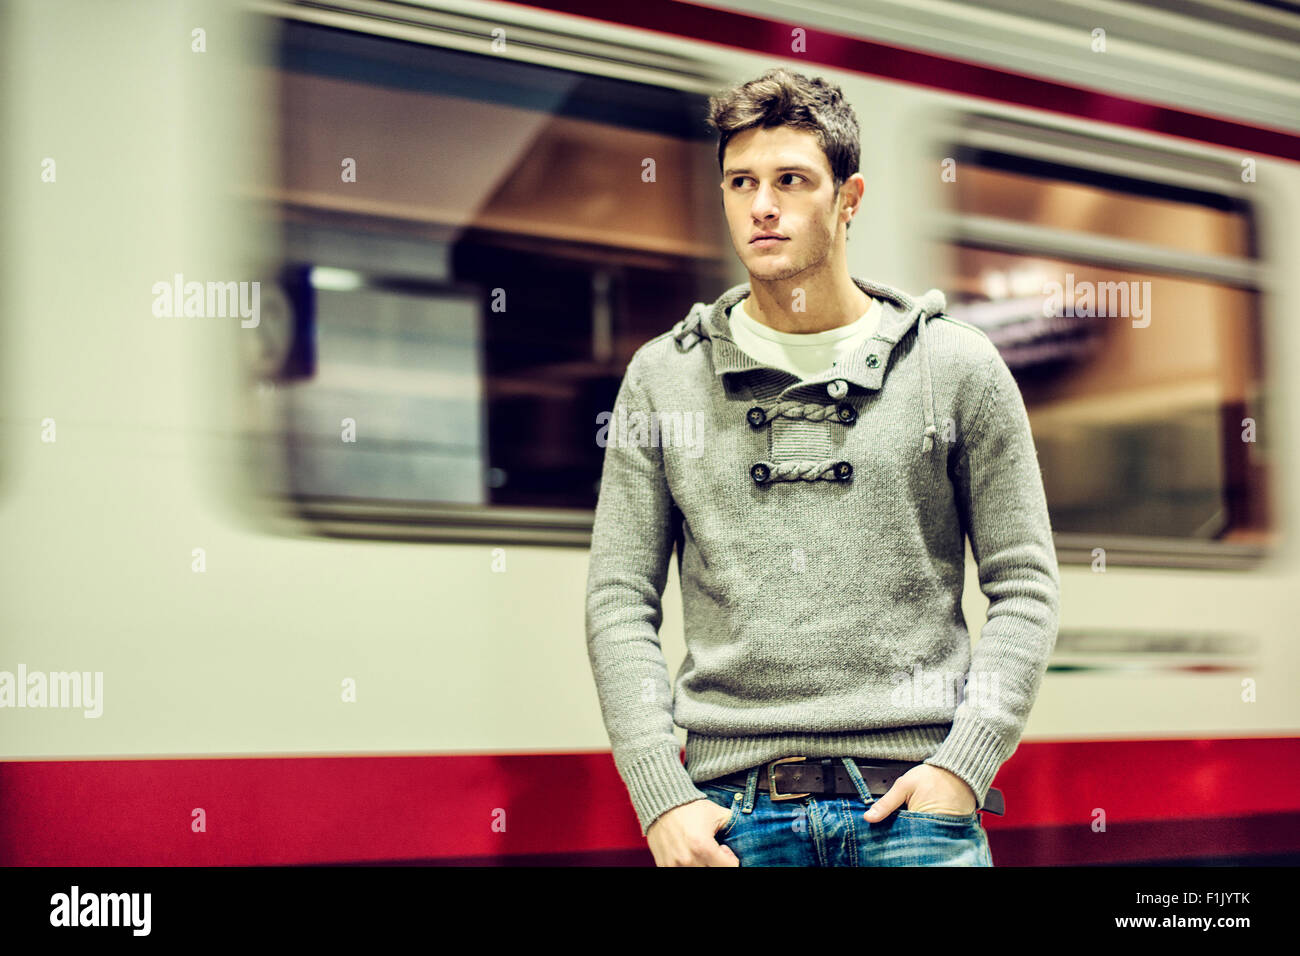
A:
[1142,411]
[468,301]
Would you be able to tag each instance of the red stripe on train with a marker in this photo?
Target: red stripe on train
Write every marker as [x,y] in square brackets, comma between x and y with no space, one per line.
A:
[1220,796]
[754,34]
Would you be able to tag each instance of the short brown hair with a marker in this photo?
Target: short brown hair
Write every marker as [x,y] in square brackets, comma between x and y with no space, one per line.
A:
[783,98]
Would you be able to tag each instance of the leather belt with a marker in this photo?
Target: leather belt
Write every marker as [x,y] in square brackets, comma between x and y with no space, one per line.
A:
[791,777]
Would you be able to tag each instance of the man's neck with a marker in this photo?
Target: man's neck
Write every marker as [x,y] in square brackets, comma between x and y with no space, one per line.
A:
[828,303]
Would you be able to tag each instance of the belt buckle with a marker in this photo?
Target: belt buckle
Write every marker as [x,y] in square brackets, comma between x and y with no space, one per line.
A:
[771,780]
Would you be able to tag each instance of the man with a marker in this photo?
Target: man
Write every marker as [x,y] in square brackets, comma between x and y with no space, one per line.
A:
[848,438]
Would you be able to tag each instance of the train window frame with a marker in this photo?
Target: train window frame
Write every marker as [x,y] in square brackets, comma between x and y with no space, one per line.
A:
[533,43]
[1172,166]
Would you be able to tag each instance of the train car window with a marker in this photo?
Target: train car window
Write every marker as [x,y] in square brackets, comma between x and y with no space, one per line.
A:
[1121,284]
[473,247]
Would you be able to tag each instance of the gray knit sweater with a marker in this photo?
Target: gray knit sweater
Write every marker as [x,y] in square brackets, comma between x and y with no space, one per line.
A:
[819,528]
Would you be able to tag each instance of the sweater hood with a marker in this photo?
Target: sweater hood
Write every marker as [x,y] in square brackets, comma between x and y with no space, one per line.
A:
[866,366]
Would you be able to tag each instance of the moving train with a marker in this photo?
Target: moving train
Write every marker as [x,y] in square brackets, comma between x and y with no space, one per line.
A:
[314,540]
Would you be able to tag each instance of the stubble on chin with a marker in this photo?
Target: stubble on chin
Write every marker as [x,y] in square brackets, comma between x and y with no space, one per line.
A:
[786,272]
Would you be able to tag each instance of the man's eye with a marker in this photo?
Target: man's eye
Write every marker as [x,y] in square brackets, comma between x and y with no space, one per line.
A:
[738,181]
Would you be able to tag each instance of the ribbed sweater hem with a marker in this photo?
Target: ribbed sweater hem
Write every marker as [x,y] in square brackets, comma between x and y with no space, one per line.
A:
[658,782]
[710,757]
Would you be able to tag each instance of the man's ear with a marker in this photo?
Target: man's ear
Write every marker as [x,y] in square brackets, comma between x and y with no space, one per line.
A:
[854,188]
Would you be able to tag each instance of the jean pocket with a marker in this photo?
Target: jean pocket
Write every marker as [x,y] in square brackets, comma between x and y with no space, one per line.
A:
[727,800]
[960,819]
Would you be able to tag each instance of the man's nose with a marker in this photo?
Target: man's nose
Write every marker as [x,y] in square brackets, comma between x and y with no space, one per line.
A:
[764,205]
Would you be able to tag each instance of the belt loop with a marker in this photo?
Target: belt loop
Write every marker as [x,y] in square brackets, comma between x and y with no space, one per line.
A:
[751,790]
[855,775]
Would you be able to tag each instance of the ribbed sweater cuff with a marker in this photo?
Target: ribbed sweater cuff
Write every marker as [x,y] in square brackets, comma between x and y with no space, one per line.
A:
[657,782]
[972,752]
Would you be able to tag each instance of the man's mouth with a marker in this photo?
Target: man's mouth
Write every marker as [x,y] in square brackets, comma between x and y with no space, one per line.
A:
[767,240]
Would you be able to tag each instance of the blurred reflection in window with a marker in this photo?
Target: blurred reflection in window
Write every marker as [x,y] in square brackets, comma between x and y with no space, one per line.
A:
[1127,308]
[479,248]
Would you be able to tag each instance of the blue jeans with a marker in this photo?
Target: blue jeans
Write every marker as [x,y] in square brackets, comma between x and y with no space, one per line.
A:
[829,830]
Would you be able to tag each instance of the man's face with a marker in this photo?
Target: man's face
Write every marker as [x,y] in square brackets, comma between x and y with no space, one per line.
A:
[779,180]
